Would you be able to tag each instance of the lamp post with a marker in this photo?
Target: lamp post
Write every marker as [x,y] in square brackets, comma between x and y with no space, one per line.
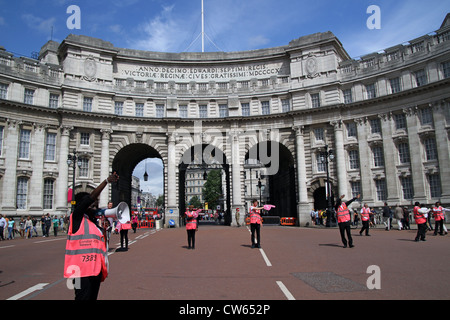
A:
[73,160]
[328,156]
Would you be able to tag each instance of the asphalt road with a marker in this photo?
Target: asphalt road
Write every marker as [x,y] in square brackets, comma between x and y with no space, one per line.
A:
[294,263]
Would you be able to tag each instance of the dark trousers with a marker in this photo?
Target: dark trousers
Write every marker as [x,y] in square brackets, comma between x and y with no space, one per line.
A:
[344,227]
[365,226]
[421,231]
[124,236]
[89,288]
[255,227]
[191,238]
[439,224]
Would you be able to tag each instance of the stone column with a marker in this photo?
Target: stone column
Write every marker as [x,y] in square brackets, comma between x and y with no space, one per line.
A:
[62,182]
[390,153]
[104,167]
[10,148]
[172,209]
[303,207]
[415,147]
[36,181]
[236,179]
[441,114]
[366,159]
[340,159]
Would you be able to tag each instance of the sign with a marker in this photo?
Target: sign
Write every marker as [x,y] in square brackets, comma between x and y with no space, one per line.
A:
[171,211]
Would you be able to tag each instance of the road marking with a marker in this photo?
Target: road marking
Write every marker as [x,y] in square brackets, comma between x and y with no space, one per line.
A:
[7,247]
[286,292]
[265,257]
[42,241]
[37,287]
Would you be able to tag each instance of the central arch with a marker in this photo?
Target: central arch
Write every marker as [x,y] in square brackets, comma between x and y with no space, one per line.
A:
[204,155]
[124,163]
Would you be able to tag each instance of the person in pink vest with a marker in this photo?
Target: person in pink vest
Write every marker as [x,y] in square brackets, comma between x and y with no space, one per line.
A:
[439,218]
[255,223]
[86,258]
[191,226]
[344,219]
[420,216]
[365,218]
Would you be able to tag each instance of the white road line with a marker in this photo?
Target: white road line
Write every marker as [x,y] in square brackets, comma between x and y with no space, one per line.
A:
[286,292]
[7,247]
[265,257]
[50,240]
[37,287]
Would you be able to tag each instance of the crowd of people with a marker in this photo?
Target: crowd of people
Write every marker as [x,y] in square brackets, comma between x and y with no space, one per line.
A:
[388,216]
[27,227]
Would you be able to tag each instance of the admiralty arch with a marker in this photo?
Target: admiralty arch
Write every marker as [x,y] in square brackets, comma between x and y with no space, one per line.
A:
[384,116]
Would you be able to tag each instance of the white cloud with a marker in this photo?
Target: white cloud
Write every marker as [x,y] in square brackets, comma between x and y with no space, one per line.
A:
[39,24]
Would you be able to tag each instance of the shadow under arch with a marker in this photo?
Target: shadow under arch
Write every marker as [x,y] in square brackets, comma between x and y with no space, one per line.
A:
[124,163]
[279,163]
[203,155]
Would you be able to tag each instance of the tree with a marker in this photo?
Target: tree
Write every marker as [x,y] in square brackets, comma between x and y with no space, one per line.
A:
[195,201]
[212,189]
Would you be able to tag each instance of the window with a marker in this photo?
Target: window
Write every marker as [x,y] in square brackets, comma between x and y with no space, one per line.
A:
[403,153]
[139,109]
[118,108]
[421,78]
[400,121]
[28,96]
[371,91]
[50,147]
[245,109]
[375,126]
[356,188]
[430,149]
[353,157]
[381,189]
[351,130]
[378,157]
[24,144]
[84,168]
[223,110]
[348,97]
[395,85]
[84,138]
[319,134]
[53,101]
[203,111]
[160,111]
[435,185]
[183,111]
[22,189]
[315,100]
[426,117]
[445,67]
[407,188]
[285,105]
[87,104]
[48,193]
[3,91]
[320,160]
[203,86]
[265,107]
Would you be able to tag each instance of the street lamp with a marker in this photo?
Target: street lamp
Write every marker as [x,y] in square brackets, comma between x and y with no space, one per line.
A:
[326,157]
[74,160]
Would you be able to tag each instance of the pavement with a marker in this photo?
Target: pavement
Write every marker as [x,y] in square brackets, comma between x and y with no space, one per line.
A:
[293,264]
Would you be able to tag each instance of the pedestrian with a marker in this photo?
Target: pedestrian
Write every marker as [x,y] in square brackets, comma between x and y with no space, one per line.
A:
[398,215]
[238,217]
[11,229]
[28,226]
[134,222]
[439,217]
[344,219]
[86,259]
[22,227]
[420,215]
[48,224]
[55,225]
[406,218]
[255,223]
[191,226]
[34,222]
[365,219]
[123,230]
[387,216]
[43,225]
[3,226]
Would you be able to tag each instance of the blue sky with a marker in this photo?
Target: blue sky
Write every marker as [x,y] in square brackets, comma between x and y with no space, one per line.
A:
[232,25]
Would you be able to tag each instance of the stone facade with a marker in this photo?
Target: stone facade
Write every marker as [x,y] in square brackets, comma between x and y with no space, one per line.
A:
[386,116]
